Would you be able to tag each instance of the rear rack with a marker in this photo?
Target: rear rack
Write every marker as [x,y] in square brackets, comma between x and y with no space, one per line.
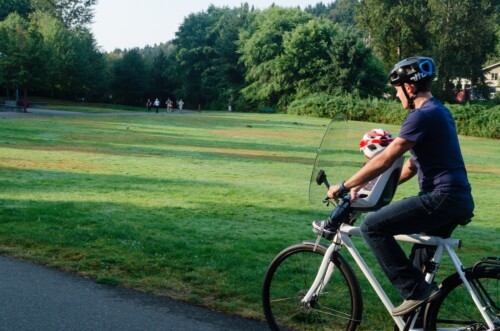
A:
[488,261]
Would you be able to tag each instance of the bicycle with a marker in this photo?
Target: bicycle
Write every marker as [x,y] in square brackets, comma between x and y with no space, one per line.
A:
[297,294]
[334,300]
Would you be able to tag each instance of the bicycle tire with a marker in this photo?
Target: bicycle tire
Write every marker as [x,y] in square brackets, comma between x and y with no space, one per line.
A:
[454,308]
[288,279]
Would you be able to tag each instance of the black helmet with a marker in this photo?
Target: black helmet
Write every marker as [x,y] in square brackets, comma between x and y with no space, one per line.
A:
[414,70]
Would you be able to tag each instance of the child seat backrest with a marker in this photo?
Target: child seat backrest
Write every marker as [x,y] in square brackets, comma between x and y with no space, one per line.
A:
[379,191]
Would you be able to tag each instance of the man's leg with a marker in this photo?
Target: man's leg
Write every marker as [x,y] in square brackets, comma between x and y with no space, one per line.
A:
[378,230]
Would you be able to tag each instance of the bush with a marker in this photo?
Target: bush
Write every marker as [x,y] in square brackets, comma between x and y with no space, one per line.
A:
[478,119]
[267,110]
[355,108]
[322,105]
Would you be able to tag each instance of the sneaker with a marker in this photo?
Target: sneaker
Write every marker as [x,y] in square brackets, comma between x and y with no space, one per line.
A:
[409,305]
[321,228]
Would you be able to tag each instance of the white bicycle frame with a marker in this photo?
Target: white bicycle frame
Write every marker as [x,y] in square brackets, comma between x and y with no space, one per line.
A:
[343,238]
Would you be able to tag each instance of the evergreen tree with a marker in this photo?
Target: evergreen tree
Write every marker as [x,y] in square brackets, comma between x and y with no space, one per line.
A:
[23,64]
[129,78]
[71,13]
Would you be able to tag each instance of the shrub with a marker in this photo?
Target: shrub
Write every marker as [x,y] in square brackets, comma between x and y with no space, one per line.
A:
[267,110]
[478,119]
[324,105]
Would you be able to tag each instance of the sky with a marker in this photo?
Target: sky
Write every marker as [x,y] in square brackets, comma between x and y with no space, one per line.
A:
[131,23]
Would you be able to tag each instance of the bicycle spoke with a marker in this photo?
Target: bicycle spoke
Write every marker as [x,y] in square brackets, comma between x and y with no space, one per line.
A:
[455,308]
[287,282]
[456,322]
[336,313]
[282,299]
[485,296]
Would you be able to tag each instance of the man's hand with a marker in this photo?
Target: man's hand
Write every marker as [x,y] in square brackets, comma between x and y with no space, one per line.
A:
[333,192]
[354,192]
[337,191]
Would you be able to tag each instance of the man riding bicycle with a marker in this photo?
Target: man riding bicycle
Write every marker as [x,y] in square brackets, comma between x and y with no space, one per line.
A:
[444,200]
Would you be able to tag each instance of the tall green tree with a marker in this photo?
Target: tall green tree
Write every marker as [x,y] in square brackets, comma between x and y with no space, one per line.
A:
[353,67]
[459,35]
[129,82]
[261,46]
[21,7]
[321,57]
[305,60]
[75,67]
[339,11]
[71,13]
[195,50]
[290,54]
[207,61]
[224,78]
[23,65]
[91,83]
[396,29]
[462,36]
[159,76]
[344,12]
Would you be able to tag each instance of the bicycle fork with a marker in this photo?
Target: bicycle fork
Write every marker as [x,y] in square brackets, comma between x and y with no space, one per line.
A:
[324,273]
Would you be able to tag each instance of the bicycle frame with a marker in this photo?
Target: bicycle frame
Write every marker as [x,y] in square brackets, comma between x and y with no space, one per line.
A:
[342,238]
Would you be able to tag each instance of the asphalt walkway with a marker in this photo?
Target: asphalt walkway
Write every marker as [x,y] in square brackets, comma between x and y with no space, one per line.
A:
[34,297]
[36,112]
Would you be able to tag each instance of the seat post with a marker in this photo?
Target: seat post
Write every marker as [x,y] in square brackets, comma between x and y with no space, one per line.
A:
[436,260]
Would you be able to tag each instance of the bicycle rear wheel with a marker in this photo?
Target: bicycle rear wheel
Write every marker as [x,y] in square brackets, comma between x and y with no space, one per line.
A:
[289,277]
[454,308]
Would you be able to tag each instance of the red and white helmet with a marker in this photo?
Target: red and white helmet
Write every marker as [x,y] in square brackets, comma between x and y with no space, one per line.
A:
[375,141]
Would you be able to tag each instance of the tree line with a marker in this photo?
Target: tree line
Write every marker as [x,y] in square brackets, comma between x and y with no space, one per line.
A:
[245,57]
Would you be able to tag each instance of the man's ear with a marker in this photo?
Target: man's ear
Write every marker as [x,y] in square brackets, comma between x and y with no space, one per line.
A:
[410,88]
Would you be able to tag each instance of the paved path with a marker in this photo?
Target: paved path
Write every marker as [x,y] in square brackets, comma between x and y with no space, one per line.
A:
[33,297]
[35,112]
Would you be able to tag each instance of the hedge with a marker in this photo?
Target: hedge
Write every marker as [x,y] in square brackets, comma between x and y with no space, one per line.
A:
[478,119]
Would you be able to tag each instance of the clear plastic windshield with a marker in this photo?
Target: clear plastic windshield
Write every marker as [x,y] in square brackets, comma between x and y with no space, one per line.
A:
[337,159]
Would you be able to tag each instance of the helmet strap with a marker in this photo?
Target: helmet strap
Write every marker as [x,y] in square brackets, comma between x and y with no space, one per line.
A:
[411,100]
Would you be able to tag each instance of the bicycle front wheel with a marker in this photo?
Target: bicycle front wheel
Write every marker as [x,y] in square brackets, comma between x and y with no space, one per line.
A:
[289,277]
[454,309]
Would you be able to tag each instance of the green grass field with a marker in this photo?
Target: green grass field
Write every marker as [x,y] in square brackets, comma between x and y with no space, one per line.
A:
[191,206]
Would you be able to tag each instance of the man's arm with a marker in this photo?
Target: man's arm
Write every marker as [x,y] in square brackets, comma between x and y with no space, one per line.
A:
[376,166]
[409,170]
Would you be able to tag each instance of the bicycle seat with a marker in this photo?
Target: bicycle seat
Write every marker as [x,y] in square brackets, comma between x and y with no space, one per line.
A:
[466,220]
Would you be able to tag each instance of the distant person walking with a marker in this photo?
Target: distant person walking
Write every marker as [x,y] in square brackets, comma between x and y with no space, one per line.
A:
[148,104]
[181,104]
[156,104]
[169,105]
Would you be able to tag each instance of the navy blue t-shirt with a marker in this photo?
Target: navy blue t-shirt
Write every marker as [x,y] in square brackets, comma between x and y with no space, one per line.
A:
[436,153]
